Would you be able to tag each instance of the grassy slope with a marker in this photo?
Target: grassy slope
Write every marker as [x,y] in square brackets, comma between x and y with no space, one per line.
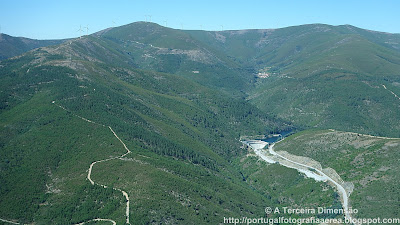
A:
[370,163]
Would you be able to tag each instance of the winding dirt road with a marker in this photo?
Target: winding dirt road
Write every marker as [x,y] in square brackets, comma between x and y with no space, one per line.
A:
[8,221]
[258,146]
[391,92]
[342,191]
[104,160]
[106,220]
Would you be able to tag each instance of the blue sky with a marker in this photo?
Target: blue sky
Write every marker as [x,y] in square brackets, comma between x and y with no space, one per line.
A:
[45,19]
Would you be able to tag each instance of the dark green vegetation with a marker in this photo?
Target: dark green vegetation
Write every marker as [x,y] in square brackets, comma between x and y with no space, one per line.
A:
[322,76]
[12,46]
[370,163]
[188,132]
[180,100]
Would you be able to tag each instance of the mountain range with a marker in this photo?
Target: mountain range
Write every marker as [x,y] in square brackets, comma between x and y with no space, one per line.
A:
[12,46]
[178,102]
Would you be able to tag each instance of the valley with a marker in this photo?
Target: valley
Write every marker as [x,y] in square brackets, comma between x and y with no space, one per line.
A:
[141,124]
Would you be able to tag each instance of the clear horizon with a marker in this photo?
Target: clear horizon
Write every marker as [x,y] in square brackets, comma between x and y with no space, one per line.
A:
[44,19]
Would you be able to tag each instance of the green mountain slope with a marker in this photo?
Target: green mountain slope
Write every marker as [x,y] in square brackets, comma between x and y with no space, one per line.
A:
[319,75]
[339,87]
[12,46]
[153,47]
[180,101]
[182,135]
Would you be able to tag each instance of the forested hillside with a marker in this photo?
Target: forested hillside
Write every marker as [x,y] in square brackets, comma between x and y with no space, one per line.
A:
[143,122]
[320,75]
[182,136]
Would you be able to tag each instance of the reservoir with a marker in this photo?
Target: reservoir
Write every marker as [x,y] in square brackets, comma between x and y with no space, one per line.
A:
[272,138]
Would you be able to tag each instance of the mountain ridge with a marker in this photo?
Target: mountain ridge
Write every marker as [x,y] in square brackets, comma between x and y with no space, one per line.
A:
[180,101]
[297,58]
[12,46]
[182,135]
